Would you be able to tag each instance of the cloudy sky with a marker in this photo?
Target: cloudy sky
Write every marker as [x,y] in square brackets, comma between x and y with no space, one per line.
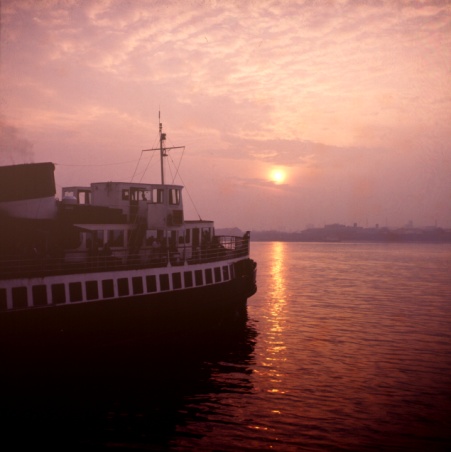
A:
[293,112]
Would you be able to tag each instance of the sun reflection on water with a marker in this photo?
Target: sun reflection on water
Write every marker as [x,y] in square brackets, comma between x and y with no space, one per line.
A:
[278,287]
[274,353]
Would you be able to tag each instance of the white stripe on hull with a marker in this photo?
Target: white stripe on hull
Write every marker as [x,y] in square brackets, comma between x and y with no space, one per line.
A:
[41,292]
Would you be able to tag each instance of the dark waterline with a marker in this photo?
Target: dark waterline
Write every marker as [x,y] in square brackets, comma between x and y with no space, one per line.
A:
[346,347]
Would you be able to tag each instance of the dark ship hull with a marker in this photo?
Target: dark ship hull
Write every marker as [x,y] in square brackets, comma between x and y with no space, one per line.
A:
[193,311]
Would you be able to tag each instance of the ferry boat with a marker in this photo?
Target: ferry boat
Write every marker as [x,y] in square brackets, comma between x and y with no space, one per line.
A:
[112,257]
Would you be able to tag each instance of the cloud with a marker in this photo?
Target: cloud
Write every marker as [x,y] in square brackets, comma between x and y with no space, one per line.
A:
[341,93]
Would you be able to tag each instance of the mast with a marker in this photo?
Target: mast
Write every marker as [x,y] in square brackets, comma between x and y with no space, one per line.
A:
[163,149]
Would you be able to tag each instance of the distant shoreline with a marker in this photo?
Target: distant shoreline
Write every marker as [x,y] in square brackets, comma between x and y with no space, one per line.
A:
[352,241]
[349,234]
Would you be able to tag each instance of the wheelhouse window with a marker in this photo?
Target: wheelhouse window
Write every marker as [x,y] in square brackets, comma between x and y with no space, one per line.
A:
[174,196]
[157,196]
[139,194]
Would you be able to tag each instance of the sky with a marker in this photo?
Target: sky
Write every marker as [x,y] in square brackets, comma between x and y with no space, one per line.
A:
[293,113]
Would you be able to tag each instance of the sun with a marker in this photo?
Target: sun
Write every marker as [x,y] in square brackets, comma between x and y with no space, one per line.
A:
[278,176]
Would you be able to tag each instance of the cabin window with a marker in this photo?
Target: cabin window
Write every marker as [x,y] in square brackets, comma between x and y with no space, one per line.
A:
[3,304]
[108,288]
[206,235]
[174,196]
[58,294]
[122,287]
[19,297]
[177,280]
[116,238]
[68,194]
[225,273]
[75,292]
[199,278]
[137,283]
[164,282]
[157,196]
[39,295]
[92,290]
[125,195]
[208,276]
[151,235]
[98,237]
[217,274]
[196,237]
[151,282]
[84,197]
[188,236]
[173,241]
[188,276]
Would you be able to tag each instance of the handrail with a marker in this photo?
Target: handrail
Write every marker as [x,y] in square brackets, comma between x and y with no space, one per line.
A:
[220,249]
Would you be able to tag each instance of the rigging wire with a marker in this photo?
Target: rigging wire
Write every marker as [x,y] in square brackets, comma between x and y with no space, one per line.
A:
[177,173]
[136,167]
[170,170]
[191,199]
[146,168]
[178,166]
[95,164]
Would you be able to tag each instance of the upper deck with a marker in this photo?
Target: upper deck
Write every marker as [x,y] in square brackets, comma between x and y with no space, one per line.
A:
[159,205]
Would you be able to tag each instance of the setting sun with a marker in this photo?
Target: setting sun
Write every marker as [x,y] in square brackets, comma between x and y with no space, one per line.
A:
[277,176]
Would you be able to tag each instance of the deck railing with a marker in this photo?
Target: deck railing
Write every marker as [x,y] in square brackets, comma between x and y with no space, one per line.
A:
[222,248]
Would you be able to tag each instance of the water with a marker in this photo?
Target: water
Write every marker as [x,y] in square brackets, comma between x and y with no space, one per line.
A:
[346,347]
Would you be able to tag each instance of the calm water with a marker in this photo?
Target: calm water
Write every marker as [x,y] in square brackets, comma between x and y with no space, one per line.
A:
[346,347]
